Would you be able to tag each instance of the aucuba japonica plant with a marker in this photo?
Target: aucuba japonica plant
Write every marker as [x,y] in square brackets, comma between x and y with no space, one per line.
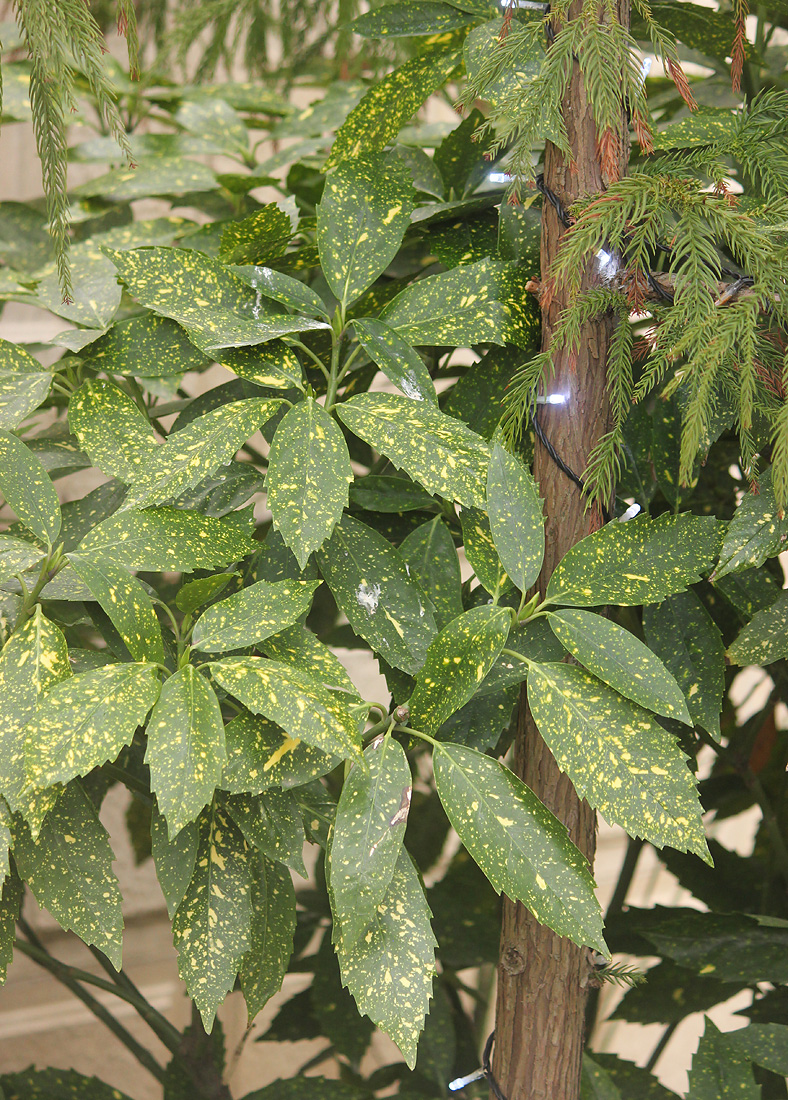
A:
[172,629]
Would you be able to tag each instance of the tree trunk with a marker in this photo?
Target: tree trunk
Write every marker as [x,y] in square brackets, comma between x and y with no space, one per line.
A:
[543,979]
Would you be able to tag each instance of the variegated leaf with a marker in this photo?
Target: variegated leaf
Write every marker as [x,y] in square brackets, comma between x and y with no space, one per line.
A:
[516,519]
[400,362]
[69,870]
[274,365]
[440,452]
[212,925]
[456,663]
[299,646]
[271,934]
[17,556]
[300,705]
[432,560]
[272,823]
[110,426]
[174,859]
[638,562]
[369,828]
[260,755]
[755,532]
[481,552]
[370,583]
[308,477]
[361,219]
[144,346]
[621,660]
[127,605]
[765,637]
[252,615]
[618,757]
[523,850]
[11,896]
[24,384]
[86,720]
[186,751]
[389,969]
[28,489]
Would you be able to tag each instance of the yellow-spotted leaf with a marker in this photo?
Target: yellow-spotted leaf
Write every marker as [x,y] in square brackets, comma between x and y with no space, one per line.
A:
[618,757]
[400,363]
[410,17]
[198,450]
[186,751]
[361,220]
[755,532]
[283,289]
[168,539]
[438,451]
[392,101]
[299,646]
[456,663]
[127,604]
[32,661]
[483,302]
[144,346]
[112,429]
[261,755]
[252,615]
[765,637]
[389,969]
[432,560]
[523,850]
[369,828]
[621,660]
[174,859]
[24,384]
[683,634]
[6,840]
[260,238]
[370,582]
[273,364]
[205,297]
[272,823]
[69,871]
[212,925]
[86,720]
[481,552]
[11,897]
[17,555]
[516,519]
[308,477]
[294,700]
[271,934]
[638,562]
[27,488]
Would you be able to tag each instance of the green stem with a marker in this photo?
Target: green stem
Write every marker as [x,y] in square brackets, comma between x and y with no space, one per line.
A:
[51,565]
[667,1035]
[166,1032]
[417,733]
[315,358]
[333,379]
[64,975]
[128,780]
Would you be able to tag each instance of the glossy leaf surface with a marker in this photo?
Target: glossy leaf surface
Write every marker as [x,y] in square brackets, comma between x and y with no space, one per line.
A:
[261,755]
[516,520]
[109,425]
[252,615]
[126,603]
[400,362]
[27,488]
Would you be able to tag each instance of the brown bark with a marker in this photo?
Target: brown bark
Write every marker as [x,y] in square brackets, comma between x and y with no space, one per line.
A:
[543,979]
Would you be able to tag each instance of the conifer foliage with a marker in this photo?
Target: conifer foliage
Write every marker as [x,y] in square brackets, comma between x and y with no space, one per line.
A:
[377,321]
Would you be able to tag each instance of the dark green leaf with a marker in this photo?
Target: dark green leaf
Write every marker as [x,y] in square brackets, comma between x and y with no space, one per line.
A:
[212,926]
[299,704]
[641,561]
[750,591]
[456,663]
[261,755]
[212,118]
[258,239]
[719,1070]
[764,1044]
[705,126]
[127,604]
[481,552]
[730,947]
[145,346]
[618,757]
[467,915]
[765,637]
[271,822]
[109,425]
[670,993]
[370,583]
[407,18]
[477,398]
[708,32]
[432,560]
[11,896]
[621,660]
[635,1083]
[252,615]
[186,751]
[198,450]
[460,156]
[271,934]
[361,220]
[94,288]
[86,720]
[389,969]
[69,870]
[196,594]
[484,302]
[755,533]
[523,850]
[401,364]
[519,233]
[516,520]
[274,365]
[56,1084]
[168,539]
[440,452]
[393,101]
[24,384]
[384,493]
[27,488]
[283,289]
[319,1088]
[161,175]
[201,294]
[334,1008]
[371,816]
[596,1083]
[308,476]
[683,634]
[298,646]
[17,556]
[174,859]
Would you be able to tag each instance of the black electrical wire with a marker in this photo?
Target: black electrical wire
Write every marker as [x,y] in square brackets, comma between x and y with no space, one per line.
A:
[495,1088]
